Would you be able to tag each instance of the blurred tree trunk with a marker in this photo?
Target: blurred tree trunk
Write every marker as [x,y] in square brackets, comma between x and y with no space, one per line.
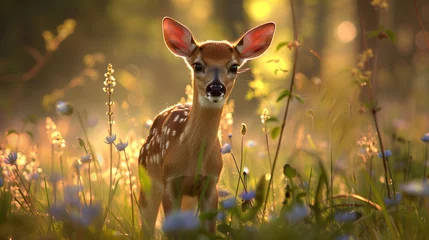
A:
[231,13]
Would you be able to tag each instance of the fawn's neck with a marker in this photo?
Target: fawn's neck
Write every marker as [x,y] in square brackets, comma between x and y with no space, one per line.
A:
[203,124]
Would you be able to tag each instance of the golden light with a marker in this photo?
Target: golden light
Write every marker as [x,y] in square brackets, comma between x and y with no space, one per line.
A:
[258,10]
[346,31]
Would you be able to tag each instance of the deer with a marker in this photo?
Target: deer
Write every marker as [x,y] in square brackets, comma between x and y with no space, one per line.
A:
[182,153]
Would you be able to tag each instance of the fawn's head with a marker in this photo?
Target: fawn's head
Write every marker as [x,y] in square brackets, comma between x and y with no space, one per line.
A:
[215,64]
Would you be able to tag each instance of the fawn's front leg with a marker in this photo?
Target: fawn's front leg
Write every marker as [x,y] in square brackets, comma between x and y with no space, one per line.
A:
[208,203]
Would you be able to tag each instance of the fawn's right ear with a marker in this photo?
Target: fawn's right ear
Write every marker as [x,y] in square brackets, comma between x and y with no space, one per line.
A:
[178,38]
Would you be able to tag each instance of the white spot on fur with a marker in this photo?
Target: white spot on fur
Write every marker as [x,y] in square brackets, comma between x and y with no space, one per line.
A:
[147,147]
[176,118]
[166,144]
[168,131]
[174,133]
[181,137]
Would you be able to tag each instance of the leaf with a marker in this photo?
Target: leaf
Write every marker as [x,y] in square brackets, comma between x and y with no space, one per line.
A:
[373,34]
[283,94]
[271,119]
[391,35]
[299,98]
[30,134]
[275,132]
[289,171]
[145,180]
[11,131]
[281,45]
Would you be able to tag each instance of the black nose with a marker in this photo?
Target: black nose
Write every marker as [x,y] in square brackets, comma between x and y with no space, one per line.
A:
[215,90]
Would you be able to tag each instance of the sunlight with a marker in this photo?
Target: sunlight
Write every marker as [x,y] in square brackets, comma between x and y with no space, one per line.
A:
[259,10]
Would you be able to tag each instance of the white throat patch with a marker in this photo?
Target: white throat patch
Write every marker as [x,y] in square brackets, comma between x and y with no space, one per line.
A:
[208,102]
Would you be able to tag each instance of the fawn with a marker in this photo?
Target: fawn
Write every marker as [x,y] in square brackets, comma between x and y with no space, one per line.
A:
[182,152]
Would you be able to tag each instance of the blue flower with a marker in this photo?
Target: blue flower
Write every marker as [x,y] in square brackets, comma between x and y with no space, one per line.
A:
[225,149]
[180,221]
[425,138]
[387,154]
[55,177]
[64,108]
[345,237]
[394,201]
[121,146]
[89,214]
[11,159]
[297,213]
[230,135]
[59,212]
[416,188]
[110,139]
[86,159]
[1,182]
[248,196]
[71,194]
[345,217]
[221,216]
[229,203]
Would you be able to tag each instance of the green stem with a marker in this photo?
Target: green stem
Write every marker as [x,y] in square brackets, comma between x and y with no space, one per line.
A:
[295,59]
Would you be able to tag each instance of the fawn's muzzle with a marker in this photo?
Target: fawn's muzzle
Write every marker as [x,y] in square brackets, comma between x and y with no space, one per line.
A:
[215,90]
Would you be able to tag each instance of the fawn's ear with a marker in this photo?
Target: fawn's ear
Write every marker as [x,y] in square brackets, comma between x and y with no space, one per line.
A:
[178,38]
[256,41]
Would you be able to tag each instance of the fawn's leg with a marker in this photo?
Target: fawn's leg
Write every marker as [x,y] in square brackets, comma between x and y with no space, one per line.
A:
[172,197]
[149,203]
[208,203]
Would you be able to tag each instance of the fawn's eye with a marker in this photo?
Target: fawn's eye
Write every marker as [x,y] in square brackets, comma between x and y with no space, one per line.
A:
[198,67]
[233,68]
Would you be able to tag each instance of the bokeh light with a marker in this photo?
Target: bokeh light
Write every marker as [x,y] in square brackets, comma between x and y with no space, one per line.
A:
[346,31]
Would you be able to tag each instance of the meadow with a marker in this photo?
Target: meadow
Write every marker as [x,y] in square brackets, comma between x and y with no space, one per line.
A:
[338,153]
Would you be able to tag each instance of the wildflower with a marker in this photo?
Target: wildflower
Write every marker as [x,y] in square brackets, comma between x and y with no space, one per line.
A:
[55,177]
[394,201]
[345,237]
[180,221]
[346,217]
[297,213]
[110,139]
[89,214]
[425,138]
[71,194]
[225,149]
[221,216]
[387,154]
[416,188]
[229,203]
[64,108]
[248,196]
[86,159]
[245,171]
[121,146]
[11,159]
[265,115]
[251,143]
[59,212]
[230,135]
[223,193]
[1,182]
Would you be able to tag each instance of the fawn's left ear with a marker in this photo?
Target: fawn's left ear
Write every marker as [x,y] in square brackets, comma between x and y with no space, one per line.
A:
[178,38]
[256,41]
